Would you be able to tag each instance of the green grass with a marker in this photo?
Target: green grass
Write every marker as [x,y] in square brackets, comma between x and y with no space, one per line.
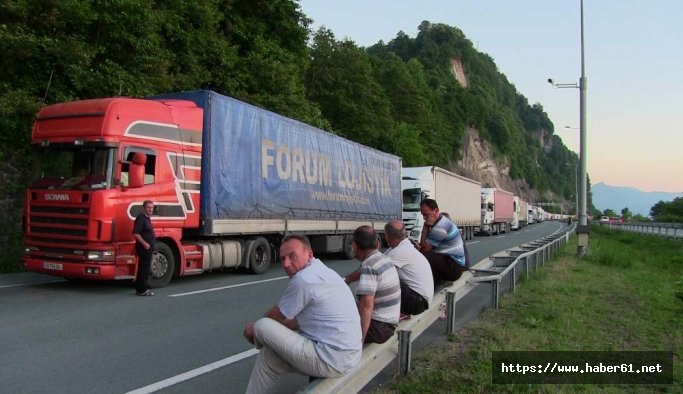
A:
[627,294]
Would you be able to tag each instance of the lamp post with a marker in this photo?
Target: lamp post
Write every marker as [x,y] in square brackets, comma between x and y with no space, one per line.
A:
[582,228]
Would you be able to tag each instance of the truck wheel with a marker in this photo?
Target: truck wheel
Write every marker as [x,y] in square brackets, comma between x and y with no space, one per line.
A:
[162,267]
[258,255]
[348,248]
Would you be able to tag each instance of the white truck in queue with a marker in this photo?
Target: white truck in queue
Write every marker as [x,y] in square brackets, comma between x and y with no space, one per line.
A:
[520,213]
[456,195]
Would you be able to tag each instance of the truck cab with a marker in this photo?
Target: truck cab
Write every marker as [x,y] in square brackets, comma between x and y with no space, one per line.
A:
[79,212]
[414,191]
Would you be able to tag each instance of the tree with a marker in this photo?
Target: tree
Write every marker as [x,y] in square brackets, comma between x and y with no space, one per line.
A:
[340,80]
[409,146]
[609,213]
[671,211]
[640,218]
[626,213]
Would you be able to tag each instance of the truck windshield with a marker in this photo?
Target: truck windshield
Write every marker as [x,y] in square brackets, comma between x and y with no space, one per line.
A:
[65,166]
[411,200]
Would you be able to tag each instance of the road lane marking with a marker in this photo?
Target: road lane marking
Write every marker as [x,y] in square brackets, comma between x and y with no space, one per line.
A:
[194,373]
[227,287]
[30,284]
[500,236]
[471,242]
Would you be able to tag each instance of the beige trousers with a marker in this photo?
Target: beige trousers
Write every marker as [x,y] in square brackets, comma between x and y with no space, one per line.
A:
[283,351]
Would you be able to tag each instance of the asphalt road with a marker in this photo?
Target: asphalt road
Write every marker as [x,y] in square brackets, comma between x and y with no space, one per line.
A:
[60,336]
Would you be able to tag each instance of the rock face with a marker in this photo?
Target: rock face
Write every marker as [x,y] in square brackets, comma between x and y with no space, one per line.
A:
[459,72]
[478,163]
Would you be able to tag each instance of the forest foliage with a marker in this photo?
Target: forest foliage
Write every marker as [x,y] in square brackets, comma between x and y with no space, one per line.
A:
[668,211]
[400,97]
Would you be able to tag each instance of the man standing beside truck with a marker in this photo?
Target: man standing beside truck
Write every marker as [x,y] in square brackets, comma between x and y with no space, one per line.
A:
[314,329]
[143,232]
[441,243]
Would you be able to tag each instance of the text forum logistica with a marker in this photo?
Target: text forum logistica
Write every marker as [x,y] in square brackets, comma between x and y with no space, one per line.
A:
[298,165]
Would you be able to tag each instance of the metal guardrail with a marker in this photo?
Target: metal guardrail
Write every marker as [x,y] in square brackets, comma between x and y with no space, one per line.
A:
[491,269]
[673,230]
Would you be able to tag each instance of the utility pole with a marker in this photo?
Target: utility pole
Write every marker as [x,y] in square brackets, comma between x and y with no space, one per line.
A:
[582,229]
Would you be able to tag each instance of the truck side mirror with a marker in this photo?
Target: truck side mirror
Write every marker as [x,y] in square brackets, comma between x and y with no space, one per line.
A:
[136,172]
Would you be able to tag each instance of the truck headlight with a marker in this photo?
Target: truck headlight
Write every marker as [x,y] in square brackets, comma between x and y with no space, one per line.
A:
[30,249]
[100,255]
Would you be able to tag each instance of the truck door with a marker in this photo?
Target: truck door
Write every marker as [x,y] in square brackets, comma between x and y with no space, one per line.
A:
[129,201]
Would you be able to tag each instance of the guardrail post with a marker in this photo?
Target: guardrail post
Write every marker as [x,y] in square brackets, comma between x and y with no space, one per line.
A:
[494,294]
[526,267]
[450,312]
[512,279]
[404,351]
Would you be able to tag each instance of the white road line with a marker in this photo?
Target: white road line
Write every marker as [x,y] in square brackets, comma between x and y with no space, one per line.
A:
[227,287]
[471,242]
[194,373]
[500,236]
[30,284]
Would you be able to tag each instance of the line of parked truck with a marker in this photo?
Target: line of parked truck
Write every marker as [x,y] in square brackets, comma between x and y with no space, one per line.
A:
[229,181]
[475,210]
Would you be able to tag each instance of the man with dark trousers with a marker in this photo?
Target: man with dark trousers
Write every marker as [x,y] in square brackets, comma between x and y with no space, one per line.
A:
[143,232]
[379,288]
[441,243]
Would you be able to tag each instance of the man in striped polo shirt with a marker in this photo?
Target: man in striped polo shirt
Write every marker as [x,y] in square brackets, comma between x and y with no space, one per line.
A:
[379,290]
[441,243]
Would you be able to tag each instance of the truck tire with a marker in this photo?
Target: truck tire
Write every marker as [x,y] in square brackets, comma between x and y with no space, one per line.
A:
[258,255]
[162,267]
[348,247]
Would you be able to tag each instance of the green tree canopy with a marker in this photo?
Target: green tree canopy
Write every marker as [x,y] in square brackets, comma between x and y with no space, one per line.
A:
[671,211]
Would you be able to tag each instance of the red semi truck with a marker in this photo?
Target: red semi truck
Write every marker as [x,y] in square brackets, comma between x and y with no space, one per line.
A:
[228,180]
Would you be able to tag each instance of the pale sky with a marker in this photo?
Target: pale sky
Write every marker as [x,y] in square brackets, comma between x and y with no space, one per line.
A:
[634,68]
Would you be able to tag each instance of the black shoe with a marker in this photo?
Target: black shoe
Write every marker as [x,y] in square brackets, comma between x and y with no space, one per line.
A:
[146,293]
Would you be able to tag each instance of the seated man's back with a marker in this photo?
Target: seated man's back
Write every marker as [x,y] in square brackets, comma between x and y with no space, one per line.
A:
[414,271]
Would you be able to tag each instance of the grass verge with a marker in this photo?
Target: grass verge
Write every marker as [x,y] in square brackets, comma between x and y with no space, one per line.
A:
[627,294]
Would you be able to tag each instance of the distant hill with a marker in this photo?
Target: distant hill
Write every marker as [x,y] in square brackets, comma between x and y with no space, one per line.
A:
[619,197]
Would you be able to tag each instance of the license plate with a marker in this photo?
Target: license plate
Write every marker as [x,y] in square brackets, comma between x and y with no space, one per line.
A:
[53,266]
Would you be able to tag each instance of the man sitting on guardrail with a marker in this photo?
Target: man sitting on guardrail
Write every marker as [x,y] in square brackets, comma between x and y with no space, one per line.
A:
[441,243]
[378,291]
[414,272]
[313,330]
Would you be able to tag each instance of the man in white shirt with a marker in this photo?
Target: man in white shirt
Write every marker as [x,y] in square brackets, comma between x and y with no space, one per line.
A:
[414,272]
[315,327]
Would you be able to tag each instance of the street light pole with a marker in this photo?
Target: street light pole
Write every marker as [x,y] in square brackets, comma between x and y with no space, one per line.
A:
[582,228]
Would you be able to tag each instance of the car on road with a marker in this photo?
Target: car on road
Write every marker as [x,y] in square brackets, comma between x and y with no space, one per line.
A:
[604,219]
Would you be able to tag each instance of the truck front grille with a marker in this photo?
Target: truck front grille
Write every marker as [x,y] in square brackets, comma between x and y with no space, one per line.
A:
[409,224]
[57,224]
